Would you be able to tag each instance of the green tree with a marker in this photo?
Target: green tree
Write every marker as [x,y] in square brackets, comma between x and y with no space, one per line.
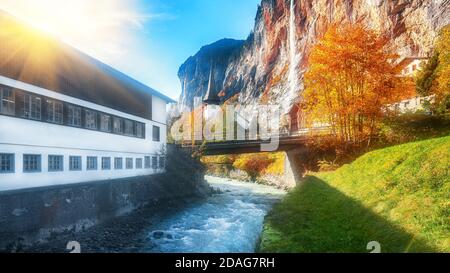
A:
[434,79]
[427,75]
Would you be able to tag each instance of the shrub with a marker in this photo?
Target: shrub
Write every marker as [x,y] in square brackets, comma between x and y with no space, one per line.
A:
[277,165]
[253,164]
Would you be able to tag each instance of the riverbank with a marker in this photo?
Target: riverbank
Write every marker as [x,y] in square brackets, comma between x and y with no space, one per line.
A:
[271,180]
[267,168]
[124,234]
[396,196]
[230,220]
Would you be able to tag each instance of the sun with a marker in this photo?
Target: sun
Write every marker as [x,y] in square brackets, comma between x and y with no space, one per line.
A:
[100,28]
[60,18]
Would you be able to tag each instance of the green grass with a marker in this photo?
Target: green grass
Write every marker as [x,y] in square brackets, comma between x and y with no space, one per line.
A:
[398,196]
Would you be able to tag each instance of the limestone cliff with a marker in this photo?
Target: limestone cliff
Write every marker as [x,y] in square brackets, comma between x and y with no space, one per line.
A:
[269,65]
[194,73]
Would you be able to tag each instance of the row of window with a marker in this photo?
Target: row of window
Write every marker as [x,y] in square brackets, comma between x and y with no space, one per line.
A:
[30,106]
[32,163]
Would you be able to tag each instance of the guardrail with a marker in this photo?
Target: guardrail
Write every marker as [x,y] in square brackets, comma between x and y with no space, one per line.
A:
[257,138]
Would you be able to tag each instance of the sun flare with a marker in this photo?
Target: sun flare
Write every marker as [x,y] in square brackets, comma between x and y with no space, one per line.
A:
[101,28]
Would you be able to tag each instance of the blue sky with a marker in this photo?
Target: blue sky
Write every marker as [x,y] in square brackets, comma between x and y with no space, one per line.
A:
[182,28]
[146,39]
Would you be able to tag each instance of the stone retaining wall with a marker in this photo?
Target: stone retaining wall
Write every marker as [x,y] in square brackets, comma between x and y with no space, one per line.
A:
[31,215]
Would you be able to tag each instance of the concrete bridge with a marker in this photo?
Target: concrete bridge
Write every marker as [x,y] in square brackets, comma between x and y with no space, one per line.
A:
[277,143]
[292,144]
[272,143]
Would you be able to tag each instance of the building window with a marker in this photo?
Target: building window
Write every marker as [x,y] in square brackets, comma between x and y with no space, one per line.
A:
[74,115]
[91,119]
[31,163]
[154,162]
[105,123]
[138,163]
[117,125]
[7,101]
[106,163]
[91,163]
[31,107]
[118,163]
[147,162]
[54,111]
[6,163]
[128,127]
[156,133]
[75,163]
[55,163]
[129,163]
[139,130]
[46,109]
[162,162]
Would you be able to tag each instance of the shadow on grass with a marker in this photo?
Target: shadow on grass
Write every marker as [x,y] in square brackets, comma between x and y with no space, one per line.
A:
[318,218]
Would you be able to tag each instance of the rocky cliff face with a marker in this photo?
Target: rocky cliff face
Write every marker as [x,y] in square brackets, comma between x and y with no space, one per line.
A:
[269,66]
[194,73]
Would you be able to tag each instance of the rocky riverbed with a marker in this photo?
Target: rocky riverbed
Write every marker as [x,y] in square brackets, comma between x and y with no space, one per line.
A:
[122,234]
[228,220]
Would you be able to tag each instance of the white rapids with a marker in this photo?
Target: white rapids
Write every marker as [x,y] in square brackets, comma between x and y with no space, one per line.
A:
[230,222]
[293,56]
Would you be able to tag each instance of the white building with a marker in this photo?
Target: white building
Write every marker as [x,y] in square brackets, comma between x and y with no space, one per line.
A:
[412,104]
[408,66]
[68,118]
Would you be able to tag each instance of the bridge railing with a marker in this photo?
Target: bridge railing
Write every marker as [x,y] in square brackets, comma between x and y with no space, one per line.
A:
[222,138]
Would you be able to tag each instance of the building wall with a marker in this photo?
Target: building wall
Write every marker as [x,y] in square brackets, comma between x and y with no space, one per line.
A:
[411,105]
[159,110]
[22,136]
[30,215]
[34,214]
[412,67]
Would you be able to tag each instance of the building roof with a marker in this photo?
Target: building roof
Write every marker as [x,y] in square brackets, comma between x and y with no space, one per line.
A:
[35,58]
[211,96]
[407,60]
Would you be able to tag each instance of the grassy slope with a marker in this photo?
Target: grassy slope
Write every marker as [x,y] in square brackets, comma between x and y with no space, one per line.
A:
[398,196]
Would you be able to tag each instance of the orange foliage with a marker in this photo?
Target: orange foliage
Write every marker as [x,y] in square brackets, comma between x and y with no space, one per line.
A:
[351,78]
[253,164]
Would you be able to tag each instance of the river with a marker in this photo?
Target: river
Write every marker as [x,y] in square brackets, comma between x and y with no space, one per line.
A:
[230,222]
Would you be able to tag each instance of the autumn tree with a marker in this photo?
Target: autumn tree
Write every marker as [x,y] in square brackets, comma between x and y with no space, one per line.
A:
[434,77]
[253,164]
[351,78]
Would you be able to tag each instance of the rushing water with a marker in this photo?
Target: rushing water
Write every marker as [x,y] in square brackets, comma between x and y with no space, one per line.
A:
[228,222]
[293,57]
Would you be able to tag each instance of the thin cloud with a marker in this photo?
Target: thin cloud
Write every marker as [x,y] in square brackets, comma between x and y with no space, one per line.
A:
[102,28]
